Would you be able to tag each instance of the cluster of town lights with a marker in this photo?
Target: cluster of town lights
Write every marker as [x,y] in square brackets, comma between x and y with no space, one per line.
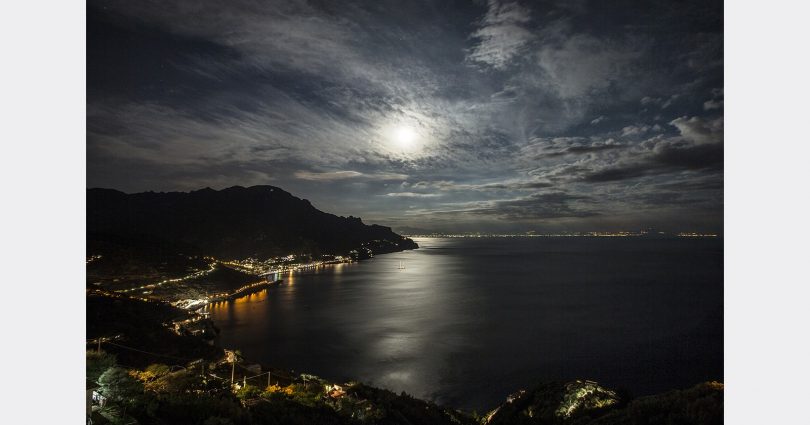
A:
[271,269]
[200,273]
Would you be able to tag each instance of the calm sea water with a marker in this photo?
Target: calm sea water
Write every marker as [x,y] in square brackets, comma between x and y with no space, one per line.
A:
[469,321]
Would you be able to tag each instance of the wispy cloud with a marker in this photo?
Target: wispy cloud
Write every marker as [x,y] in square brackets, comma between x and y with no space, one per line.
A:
[502,35]
[582,63]
[347,174]
[557,111]
[444,185]
[412,195]
[598,119]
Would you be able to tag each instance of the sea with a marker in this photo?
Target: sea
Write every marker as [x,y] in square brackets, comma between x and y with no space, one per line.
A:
[466,321]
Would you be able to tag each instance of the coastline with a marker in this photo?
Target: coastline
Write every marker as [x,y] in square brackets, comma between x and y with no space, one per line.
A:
[256,287]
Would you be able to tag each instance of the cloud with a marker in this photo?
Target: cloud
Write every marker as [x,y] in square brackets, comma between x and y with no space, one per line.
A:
[699,147]
[690,157]
[537,206]
[716,102]
[347,174]
[582,64]
[598,119]
[646,100]
[712,104]
[699,130]
[502,34]
[617,173]
[288,34]
[542,206]
[634,130]
[663,103]
[444,185]
[559,146]
[412,195]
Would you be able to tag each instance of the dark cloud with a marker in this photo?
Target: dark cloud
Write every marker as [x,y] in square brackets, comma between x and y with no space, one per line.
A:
[450,186]
[666,158]
[541,206]
[617,173]
[558,146]
[531,208]
[584,149]
[698,157]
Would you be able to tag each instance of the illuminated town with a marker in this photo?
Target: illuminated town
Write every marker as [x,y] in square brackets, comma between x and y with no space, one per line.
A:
[269,272]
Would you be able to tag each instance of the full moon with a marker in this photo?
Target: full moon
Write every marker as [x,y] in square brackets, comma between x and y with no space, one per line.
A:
[405,136]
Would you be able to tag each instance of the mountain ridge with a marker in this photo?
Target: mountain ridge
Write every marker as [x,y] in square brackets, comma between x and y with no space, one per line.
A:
[235,222]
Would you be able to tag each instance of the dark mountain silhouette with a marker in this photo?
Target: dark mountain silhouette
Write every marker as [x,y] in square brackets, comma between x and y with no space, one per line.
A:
[236,222]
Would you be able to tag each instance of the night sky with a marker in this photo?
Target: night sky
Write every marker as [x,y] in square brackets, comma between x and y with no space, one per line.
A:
[436,115]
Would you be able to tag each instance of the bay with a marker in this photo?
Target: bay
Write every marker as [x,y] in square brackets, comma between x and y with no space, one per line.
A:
[470,320]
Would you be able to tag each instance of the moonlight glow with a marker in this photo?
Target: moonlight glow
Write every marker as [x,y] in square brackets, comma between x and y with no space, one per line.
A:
[405,137]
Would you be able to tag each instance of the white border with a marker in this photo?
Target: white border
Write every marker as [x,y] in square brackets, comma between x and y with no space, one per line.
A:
[42,170]
[43,177]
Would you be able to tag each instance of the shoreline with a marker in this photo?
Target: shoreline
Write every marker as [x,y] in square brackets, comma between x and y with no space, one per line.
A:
[259,286]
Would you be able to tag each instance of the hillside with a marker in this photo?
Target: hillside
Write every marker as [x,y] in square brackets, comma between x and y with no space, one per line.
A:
[237,222]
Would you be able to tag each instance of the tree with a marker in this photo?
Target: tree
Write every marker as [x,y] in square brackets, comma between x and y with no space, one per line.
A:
[97,363]
[119,387]
[248,392]
[177,382]
[153,371]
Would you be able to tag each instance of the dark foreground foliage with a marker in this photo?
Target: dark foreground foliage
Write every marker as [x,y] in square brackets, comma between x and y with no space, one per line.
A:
[585,402]
[701,404]
[156,395]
